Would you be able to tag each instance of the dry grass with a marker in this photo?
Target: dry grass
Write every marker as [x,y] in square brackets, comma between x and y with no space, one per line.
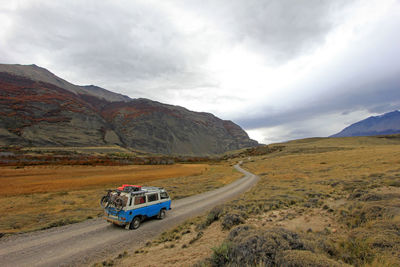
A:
[94,149]
[46,196]
[213,177]
[337,199]
[191,247]
[340,193]
[43,179]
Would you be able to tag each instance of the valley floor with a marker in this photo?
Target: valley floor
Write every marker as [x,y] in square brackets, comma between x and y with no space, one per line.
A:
[40,197]
[319,202]
[92,240]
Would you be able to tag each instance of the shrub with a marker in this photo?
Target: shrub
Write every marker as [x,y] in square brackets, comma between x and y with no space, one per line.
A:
[231,219]
[312,202]
[61,222]
[108,263]
[351,248]
[304,258]
[214,215]
[248,246]
[359,215]
[238,230]
[355,251]
[220,256]
[384,240]
[357,193]
[371,197]
[394,183]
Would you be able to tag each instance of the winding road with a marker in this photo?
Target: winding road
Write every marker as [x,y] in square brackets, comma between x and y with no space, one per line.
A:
[95,240]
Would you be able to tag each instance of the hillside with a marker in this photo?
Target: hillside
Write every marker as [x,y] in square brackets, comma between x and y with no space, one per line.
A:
[36,73]
[388,123]
[38,108]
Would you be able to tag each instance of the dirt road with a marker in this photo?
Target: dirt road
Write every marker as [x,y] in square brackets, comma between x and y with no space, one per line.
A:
[95,240]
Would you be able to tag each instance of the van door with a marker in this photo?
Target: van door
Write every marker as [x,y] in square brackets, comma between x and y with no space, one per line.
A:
[154,204]
[138,208]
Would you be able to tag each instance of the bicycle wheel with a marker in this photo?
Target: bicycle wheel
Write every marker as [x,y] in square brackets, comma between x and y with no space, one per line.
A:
[104,202]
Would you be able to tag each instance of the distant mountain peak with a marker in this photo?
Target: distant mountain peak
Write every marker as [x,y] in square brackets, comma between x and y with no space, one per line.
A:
[388,123]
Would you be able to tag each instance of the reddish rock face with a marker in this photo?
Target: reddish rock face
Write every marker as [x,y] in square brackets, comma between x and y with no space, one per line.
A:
[37,113]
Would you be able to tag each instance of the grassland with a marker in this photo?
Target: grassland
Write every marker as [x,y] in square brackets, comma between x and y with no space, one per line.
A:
[37,197]
[319,202]
[91,150]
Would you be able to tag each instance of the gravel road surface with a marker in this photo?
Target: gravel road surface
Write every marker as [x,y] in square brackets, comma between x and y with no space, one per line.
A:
[95,240]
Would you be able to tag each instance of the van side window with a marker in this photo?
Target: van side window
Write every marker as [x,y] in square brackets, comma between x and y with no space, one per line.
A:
[140,200]
[130,201]
[152,197]
[164,195]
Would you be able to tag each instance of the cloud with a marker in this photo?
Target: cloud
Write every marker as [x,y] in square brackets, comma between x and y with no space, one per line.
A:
[364,76]
[110,42]
[375,97]
[324,124]
[279,29]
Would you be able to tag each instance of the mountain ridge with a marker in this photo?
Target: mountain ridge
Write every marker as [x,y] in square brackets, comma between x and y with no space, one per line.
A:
[37,73]
[388,123]
[40,109]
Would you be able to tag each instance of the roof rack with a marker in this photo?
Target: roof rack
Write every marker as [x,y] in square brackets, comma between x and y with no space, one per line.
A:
[150,188]
[141,192]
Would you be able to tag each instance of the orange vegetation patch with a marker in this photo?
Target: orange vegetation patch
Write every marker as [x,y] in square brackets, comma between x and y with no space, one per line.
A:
[42,179]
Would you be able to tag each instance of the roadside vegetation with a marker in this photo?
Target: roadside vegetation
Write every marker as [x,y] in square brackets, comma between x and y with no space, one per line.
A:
[40,197]
[319,202]
[90,156]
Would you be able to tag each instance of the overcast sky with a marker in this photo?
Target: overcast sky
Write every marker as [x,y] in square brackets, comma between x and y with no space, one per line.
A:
[281,69]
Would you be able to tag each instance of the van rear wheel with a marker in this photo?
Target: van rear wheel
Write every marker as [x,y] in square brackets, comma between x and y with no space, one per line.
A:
[161,214]
[135,223]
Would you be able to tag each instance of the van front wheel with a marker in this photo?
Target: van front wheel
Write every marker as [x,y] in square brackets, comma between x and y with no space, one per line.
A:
[135,223]
[161,214]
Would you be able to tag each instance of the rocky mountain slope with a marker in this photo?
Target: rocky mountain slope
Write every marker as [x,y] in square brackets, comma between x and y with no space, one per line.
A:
[38,108]
[388,123]
[39,74]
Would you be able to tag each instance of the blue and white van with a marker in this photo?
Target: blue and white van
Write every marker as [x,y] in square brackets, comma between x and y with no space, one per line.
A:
[130,206]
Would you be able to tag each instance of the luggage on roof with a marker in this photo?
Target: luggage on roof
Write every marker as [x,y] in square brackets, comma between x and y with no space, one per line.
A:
[129,188]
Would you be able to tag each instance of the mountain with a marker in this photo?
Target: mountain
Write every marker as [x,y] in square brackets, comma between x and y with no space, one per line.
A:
[37,108]
[388,123]
[36,73]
